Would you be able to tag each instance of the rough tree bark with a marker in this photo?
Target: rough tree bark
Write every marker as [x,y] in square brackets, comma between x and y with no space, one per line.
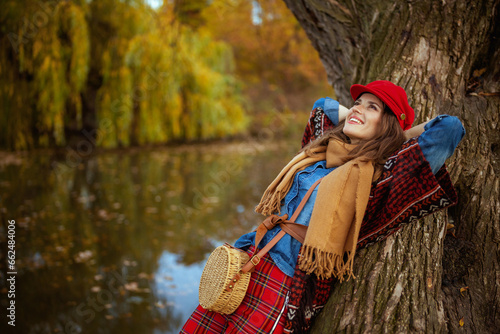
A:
[446,55]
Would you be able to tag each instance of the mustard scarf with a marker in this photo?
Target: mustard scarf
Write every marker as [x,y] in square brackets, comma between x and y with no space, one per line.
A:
[338,210]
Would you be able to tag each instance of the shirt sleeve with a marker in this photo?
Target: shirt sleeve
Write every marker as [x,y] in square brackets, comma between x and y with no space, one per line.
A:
[406,191]
[439,140]
[330,108]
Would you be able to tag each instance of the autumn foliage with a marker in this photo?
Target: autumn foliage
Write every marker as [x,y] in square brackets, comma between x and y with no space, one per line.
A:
[123,73]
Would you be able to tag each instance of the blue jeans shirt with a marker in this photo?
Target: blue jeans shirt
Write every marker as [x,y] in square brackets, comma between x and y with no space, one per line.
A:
[439,140]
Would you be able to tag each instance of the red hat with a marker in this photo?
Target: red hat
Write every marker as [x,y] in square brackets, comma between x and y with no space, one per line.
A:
[393,96]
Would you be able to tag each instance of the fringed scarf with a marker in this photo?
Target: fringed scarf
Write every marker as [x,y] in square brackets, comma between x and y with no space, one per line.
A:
[338,210]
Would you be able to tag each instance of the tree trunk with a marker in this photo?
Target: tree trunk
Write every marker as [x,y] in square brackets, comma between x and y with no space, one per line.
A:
[446,55]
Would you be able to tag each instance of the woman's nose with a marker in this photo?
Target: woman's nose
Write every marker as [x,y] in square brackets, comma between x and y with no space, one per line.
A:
[357,109]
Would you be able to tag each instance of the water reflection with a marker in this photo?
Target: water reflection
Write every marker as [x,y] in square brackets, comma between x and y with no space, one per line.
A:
[116,244]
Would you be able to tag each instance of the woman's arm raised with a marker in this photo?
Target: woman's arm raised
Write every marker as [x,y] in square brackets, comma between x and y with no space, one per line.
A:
[438,139]
[326,113]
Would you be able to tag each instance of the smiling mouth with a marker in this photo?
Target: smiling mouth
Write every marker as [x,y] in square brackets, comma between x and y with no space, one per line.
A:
[355,120]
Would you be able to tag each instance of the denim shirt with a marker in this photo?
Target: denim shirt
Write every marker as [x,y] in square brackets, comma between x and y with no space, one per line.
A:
[438,141]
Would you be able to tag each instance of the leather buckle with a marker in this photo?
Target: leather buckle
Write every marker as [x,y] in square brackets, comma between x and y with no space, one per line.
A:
[255,257]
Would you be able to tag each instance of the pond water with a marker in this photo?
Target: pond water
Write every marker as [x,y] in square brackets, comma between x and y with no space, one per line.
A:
[116,242]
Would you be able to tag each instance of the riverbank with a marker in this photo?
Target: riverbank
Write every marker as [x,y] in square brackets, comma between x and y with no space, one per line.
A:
[270,134]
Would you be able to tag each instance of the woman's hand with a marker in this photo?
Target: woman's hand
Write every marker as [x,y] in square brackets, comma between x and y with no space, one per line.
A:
[415,131]
[343,111]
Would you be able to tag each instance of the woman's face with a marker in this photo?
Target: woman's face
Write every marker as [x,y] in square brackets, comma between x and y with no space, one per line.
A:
[364,118]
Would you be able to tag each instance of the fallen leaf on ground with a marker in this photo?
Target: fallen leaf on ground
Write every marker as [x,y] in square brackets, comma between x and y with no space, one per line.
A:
[95,288]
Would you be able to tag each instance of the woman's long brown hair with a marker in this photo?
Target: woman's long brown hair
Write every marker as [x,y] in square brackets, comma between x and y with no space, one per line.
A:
[389,139]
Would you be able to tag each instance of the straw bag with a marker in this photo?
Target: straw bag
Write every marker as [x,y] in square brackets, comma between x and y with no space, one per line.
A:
[218,289]
[226,275]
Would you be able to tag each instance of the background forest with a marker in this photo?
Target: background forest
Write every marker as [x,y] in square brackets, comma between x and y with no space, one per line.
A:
[134,72]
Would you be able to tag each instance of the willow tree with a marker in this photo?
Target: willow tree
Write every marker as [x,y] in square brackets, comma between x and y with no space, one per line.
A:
[113,73]
[43,69]
[160,79]
[446,55]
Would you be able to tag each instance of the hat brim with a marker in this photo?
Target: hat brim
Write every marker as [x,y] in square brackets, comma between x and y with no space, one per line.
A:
[357,90]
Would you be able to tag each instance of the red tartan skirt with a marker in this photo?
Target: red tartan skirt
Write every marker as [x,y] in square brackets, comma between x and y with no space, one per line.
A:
[262,309]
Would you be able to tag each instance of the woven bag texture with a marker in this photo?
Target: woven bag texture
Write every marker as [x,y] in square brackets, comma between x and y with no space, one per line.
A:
[222,265]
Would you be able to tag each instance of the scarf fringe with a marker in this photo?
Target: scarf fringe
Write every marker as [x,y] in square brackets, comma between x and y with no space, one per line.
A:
[270,203]
[326,264]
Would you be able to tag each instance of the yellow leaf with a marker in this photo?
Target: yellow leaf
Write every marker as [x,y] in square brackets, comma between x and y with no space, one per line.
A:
[461,322]
[478,73]
[462,290]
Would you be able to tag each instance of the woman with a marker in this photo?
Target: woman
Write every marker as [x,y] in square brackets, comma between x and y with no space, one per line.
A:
[372,182]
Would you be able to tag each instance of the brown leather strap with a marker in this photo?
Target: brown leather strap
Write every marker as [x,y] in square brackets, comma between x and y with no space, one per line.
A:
[255,259]
[287,226]
[297,231]
[304,201]
[268,224]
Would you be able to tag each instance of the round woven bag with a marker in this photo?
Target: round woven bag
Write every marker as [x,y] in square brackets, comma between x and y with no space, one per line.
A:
[218,291]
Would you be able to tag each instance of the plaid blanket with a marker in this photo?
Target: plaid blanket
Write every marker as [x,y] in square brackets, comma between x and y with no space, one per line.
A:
[260,311]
